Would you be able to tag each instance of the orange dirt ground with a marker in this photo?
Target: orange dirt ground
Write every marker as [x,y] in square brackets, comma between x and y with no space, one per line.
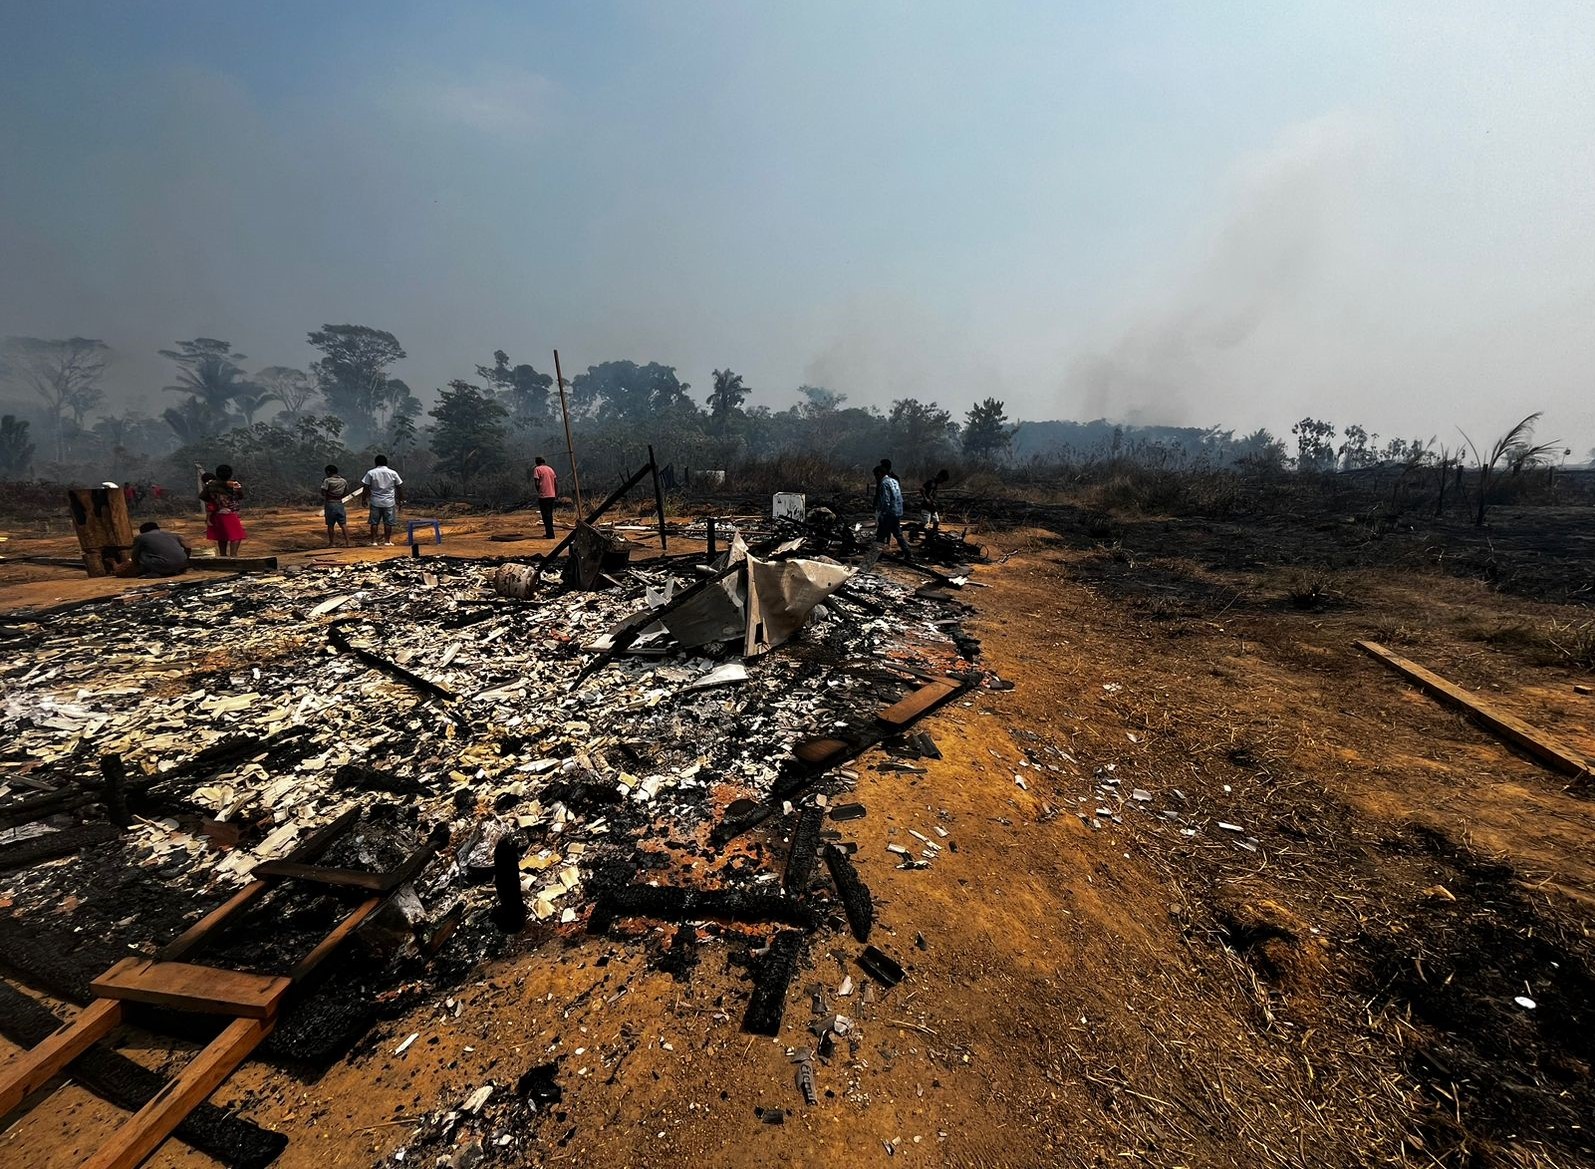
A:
[1083,997]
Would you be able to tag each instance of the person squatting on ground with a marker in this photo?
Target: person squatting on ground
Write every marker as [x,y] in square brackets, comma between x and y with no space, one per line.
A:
[333,488]
[156,553]
[889,508]
[223,497]
[928,500]
[547,492]
[384,489]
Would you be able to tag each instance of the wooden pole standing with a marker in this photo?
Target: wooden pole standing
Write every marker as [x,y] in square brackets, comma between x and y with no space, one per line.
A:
[570,443]
[104,531]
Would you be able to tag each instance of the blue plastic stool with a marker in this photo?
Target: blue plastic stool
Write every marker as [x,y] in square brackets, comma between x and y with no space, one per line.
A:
[435,525]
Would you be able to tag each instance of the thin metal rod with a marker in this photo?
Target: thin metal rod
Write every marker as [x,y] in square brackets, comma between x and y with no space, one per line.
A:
[570,443]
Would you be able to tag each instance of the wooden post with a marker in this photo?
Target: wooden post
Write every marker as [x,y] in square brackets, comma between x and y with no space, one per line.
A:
[570,443]
[105,533]
[659,495]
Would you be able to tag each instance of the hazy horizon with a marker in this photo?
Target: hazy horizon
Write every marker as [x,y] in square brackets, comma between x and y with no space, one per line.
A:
[1162,214]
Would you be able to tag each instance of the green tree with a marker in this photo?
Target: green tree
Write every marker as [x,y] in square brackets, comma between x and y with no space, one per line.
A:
[1261,451]
[920,432]
[469,434]
[1315,445]
[631,394]
[210,373]
[353,377]
[290,388]
[725,400]
[522,391]
[65,374]
[987,433]
[1517,447]
[16,452]
[1360,448]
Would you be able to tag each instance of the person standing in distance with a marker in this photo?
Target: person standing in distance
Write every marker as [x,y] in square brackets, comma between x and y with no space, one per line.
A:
[384,491]
[547,492]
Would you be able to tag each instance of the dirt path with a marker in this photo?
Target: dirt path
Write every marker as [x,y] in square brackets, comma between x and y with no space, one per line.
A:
[1102,978]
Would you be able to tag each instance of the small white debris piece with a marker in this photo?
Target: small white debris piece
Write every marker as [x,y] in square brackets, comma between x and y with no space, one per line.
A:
[1141,794]
[846,988]
[1525,1002]
[331,605]
[898,849]
[1228,827]
[474,1102]
[405,1046]
[1019,781]
[1112,687]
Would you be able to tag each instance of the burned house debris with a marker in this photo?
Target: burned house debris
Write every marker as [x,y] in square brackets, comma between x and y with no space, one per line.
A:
[394,770]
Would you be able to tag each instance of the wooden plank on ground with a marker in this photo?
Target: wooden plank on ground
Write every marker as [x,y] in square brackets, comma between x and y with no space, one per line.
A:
[900,714]
[31,1070]
[352,921]
[310,848]
[1550,751]
[327,875]
[816,752]
[131,1144]
[186,987]
[234,563]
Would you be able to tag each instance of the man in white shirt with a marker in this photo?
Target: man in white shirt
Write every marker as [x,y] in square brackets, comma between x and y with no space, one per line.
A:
[384,490]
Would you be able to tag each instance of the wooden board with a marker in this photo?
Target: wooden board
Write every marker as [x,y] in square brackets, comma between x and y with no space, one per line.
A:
[32,1069]
[900,714]
[326,875]
[131,1144]
[817,751]
[186,987]
[352,921]
[234,563]
[310,848]
[1550,751]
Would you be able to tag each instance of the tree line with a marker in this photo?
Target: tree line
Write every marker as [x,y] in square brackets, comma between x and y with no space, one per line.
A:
[484,426]
[350,402]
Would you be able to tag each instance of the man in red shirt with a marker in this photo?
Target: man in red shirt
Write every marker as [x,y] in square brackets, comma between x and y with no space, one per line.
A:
[547,492]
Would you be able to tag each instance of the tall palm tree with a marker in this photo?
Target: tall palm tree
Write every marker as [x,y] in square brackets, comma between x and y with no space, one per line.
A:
[725,399]
[213,385]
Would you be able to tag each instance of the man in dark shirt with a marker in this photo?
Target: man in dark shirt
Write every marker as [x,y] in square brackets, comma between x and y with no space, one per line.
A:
[156,553]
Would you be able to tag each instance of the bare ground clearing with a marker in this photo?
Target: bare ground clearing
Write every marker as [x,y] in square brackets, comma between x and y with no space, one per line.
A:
[1332,984]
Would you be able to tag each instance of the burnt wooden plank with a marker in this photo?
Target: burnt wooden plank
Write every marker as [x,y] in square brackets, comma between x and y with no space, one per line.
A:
[130,1145]
[34,1068]
[229,1139]
[920,702]
[1545,748]
[186,987]
[327,875]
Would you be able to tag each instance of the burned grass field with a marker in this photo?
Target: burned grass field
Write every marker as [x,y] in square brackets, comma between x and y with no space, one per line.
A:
[1175,876]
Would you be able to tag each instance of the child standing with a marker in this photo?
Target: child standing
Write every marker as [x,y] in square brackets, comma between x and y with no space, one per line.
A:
[333,488]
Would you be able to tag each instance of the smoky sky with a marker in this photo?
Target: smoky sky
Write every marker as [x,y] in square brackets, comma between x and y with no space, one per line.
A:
[1193,214]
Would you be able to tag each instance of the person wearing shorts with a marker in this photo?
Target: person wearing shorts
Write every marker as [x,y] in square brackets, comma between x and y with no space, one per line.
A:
[383,491]
[333,488]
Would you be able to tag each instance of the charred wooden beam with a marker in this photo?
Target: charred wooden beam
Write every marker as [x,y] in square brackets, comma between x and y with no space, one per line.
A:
[855,895]
[805,847]
[768,1003]
[674,903]
[54,845]
[340,639]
